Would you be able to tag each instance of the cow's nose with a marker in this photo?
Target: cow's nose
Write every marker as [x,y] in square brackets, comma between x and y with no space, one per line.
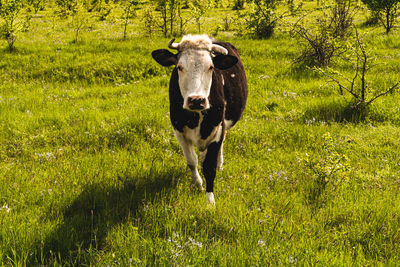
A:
[196,102]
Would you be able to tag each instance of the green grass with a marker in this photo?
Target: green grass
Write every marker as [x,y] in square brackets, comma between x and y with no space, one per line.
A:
[91,173]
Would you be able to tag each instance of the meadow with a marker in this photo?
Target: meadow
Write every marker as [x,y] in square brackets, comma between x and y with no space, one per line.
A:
[92,175]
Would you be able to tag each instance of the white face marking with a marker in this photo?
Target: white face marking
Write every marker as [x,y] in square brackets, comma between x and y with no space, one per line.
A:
[195,68]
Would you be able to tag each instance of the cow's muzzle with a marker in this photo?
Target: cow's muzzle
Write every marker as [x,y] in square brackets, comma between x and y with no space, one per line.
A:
[196,103]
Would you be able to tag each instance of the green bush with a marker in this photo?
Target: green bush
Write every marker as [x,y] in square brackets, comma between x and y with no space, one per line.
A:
[9,13]
[386,11]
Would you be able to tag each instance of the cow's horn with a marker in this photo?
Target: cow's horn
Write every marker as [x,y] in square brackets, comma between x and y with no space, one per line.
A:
[173,45]
[219,49]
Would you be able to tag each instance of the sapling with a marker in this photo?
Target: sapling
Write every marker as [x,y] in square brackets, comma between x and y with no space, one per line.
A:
[358,86]
[11,20]
[386,11]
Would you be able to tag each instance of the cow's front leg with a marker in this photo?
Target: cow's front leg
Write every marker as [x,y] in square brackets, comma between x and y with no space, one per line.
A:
[210,169]
[220,161]
[191,158]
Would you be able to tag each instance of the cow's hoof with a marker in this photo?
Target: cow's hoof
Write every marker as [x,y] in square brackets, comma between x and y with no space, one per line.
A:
[198,183]
[210,198]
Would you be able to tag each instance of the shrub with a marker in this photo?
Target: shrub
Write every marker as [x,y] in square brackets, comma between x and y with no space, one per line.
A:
[342,15]
[65,7]
[261,19]
[386,11]
[239,4]
[11,20]
[321,41]
[329,167]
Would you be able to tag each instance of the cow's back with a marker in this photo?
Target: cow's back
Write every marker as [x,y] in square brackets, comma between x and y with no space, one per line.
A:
[235,86]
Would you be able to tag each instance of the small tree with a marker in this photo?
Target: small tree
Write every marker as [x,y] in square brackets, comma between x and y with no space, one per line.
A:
[173,6]
[239,4]
[342,17]
[261,17]
[11,20]
[162,7]
[198,9]
[149,21]
[103,8]
[386,10]
[80,20]
[66,7]
[264,20]
[129,11]
[36,5]
[357,86]
[182,20]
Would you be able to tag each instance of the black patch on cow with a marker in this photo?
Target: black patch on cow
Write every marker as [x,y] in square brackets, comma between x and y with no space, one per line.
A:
[224,62]
[164,57]
[210,162]
[235,86]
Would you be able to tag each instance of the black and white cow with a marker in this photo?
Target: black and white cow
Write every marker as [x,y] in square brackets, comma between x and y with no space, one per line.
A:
[207,94]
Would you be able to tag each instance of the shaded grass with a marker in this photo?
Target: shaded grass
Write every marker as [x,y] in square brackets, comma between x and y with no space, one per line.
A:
[98,208]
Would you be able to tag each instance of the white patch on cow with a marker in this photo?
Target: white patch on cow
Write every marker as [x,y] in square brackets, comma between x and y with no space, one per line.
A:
[222,79]
[194,136]
[198,41]
[228,124]
[191,157]
[233,75]
[210,198]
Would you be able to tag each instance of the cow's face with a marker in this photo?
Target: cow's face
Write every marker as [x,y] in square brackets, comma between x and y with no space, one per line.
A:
[195,70]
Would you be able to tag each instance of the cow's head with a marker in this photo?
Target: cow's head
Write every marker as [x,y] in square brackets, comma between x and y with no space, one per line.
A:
[195,62]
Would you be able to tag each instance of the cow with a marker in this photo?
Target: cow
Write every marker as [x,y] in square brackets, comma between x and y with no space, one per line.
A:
[207,96]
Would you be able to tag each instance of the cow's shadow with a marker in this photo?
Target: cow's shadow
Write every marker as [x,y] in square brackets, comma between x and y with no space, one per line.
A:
[99,208]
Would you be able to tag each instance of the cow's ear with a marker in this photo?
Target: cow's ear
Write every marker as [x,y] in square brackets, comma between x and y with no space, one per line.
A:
[224,62]
[164,57]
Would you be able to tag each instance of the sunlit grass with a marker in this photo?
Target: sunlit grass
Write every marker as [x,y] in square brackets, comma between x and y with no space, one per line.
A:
[91,173]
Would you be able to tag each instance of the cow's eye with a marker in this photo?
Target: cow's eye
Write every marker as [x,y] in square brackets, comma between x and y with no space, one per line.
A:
[211,67]
[179,67]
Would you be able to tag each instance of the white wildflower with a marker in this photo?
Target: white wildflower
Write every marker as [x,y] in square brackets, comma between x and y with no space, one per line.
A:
[5,208]
[261,243]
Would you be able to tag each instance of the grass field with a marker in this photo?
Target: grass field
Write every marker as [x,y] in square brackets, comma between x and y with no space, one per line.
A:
[92,175]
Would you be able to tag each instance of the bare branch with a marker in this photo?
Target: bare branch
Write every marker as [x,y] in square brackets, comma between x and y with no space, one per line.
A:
[384,93]
[337,82]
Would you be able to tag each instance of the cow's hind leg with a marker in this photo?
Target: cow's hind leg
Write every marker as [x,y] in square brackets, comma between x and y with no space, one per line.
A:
[210,169]
[191,158]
